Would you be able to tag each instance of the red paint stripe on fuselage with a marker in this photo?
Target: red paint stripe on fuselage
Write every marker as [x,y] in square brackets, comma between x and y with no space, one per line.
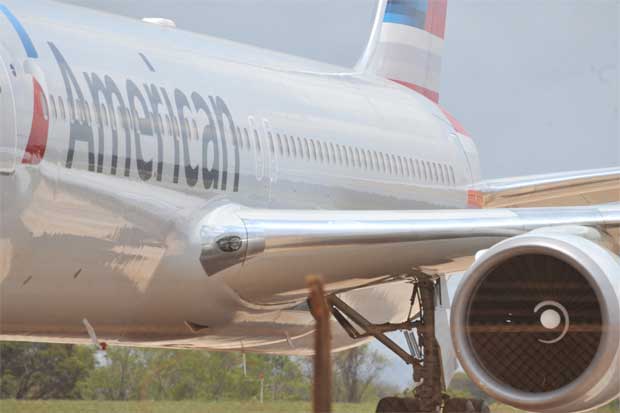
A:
[434,96]
[457,125]
[37,142]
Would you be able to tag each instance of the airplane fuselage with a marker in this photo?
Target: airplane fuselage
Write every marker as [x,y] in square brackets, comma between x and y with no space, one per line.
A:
[161,114]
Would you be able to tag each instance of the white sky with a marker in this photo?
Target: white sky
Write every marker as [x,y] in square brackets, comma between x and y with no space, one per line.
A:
[534,82]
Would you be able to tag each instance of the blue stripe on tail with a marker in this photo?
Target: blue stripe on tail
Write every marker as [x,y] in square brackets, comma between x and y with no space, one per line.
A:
[408,12]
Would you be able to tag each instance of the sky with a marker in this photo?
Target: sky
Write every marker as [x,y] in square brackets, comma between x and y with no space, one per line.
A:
[535,83]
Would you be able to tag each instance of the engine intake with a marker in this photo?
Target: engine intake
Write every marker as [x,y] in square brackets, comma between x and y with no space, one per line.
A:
[536,322]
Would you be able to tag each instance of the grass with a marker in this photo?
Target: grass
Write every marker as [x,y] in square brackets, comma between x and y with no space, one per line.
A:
[62,406]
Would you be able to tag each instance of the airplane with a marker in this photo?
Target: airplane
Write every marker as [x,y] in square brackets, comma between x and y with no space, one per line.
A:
[165,189]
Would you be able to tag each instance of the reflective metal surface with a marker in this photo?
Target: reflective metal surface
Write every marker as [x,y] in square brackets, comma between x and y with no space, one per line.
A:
[580,386]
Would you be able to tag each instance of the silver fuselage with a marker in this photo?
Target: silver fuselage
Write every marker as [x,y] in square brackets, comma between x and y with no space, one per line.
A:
[159,114]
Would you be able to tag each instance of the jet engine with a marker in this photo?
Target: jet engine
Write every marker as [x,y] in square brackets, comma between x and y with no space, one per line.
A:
[536,322]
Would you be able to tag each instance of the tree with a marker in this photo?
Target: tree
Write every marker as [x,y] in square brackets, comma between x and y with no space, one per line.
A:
[43,371]
[355,371]
[117,377]
[462,386]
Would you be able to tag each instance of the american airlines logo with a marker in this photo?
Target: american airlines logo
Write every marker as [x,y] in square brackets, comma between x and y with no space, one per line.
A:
[141,110]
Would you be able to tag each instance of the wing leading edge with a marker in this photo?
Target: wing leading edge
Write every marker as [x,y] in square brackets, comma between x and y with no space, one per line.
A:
[589,187]
[275,249]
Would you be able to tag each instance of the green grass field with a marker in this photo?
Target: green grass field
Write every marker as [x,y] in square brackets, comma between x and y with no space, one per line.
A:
[60,406]
[11,406]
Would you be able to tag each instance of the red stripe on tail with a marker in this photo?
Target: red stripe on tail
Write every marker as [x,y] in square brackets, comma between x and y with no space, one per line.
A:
[35,150]
[435,22]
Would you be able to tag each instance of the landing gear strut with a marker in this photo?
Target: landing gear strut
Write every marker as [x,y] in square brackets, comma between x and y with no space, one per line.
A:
[424,353]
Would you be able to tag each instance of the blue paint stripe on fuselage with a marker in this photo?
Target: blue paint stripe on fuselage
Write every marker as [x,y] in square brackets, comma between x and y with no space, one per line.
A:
[21,32]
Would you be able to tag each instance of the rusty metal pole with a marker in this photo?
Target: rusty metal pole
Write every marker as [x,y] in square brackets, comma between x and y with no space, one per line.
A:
[322,386]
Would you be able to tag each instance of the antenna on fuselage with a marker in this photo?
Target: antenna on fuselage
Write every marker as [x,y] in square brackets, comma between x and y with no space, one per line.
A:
[160,21]
[100,346]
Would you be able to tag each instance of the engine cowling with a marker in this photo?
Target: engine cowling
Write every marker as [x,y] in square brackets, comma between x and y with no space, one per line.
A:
[536,322]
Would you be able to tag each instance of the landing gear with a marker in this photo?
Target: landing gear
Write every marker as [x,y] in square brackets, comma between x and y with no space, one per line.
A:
[424,352]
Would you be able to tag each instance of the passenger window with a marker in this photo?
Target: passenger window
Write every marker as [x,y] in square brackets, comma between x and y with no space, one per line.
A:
[188,131]
[158,123]
[272,146]
[291,144]
[287,150]
[239,138]
[195,127]
[257,141]
[300,148]
[61,107]
[307,148]
[44,108]
[175,128]
[279,143]
[104,115]
[313,150]
[246,135]
[405,167]
[81,116]
[320,150]
[53,104]
[169,125]
[88,113]
[326,152]
[72,115]
[452,175]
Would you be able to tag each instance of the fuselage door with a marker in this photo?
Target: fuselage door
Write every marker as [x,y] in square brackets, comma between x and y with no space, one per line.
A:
[8,133]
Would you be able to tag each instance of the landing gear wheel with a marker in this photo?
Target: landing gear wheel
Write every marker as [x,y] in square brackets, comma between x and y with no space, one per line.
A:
[398,405]
[465,406]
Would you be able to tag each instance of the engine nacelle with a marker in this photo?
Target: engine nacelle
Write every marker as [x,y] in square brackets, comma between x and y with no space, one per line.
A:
[536,322]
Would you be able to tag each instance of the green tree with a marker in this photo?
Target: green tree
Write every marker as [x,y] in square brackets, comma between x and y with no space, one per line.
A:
[462,386]
[117,377]
[43,371]
[355,372]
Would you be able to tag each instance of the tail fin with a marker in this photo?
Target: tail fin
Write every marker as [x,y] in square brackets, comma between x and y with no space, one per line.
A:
[406,44]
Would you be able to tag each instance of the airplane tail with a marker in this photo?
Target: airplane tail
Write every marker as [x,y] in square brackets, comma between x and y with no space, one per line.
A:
[406,44]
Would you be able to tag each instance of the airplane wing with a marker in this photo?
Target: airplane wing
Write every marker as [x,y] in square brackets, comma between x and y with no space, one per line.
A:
[353,248]
[589,187]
